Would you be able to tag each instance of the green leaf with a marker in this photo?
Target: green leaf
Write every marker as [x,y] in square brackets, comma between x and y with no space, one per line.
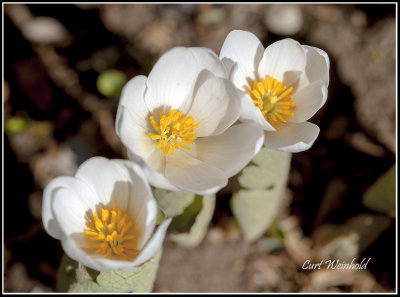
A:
[160,216]
[381,196]
[191,215]
[184,221]
[72,274]
[256,177]
[88,287]
[139,279]
[255,211]
[66,274]
[172,203]
[276,232]
[110,83]
[262,184]
[198,230]
[85,274]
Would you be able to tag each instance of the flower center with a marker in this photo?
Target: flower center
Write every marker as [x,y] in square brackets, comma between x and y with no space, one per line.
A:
[272,97]
[173,131]
[113,233]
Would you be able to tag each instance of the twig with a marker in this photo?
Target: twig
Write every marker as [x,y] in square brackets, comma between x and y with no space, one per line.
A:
[67,79]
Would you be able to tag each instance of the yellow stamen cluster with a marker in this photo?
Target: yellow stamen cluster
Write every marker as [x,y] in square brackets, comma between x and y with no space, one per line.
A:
[173,131]
[113,233]
[272,97]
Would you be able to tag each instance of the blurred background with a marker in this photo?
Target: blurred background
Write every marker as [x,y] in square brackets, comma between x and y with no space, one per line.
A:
[64,66]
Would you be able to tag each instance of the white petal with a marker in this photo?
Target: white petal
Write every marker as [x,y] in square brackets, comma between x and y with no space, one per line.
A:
[216,104]
[132,98]
[292,137]
[150,221]
[317,64]
[246,50]
[231,150]
[49,222]
[78,254]
[133,135]
[190,174]
[69,211]
[251,113]
[156,161]
[284,60]
[132,122]
[159,180]
[68,188]
[308,101]
[74,248]
[171,81]
[154,243]
[155,178]
[108,179]
[230,65]
[141,204]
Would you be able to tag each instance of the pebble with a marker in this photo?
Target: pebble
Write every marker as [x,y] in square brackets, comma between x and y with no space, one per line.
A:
[284,19]
[216,236]
[45,30]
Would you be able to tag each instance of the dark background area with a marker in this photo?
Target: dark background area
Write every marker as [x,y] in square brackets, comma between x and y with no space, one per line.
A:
[55,117]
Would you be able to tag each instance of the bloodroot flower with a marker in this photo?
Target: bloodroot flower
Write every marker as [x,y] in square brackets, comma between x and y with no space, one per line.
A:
[104,216]
[284,86]
[179,123]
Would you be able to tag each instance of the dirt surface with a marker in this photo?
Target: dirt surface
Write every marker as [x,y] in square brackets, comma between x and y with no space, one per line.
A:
[50,81]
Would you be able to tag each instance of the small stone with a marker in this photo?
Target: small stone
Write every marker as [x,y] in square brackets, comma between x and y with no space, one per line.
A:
[215,236]
[35,204]
[41,289]
[258,279]
[185,9]
[44,30]
[57,161]
[271,274]
[24,145]
[6,91]
[359,18]
[284,19]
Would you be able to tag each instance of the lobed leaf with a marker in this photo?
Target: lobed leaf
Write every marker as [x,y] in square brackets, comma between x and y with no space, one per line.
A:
[75,278]
[139,279]
[191,215]
[66,274]
[198,229]
[262,184]
[172,203]
[184,221]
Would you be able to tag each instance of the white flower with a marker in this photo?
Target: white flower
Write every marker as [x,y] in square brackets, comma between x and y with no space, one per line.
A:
[285,85]
[178,123]
[104,216]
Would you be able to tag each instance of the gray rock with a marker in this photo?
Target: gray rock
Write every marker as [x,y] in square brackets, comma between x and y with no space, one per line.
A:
[45,30]
[284,19]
